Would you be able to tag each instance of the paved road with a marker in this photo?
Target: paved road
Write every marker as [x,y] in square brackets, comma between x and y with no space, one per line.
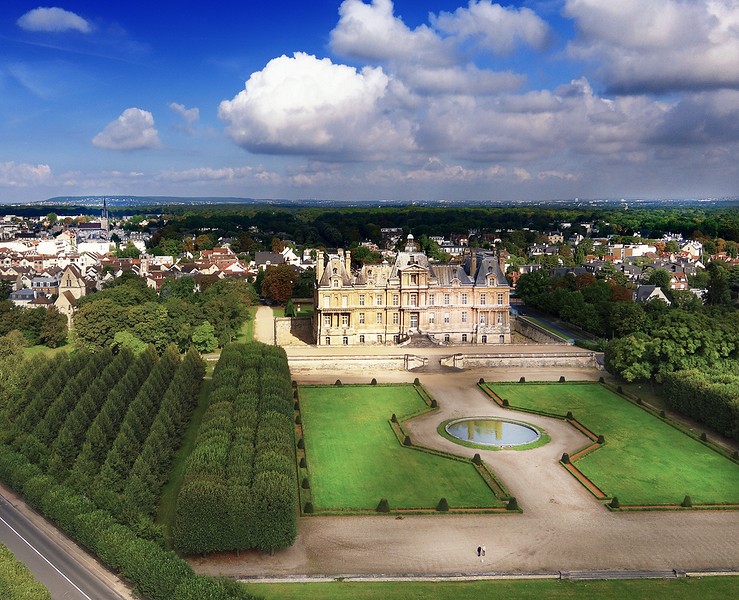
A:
[50,562]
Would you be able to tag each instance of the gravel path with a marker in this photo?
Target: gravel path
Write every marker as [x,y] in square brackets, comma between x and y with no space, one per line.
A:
[562,528]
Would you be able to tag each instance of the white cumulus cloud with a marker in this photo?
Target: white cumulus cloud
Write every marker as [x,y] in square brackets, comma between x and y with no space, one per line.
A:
[133,130]
[53,19]
[308,105]
[659,45]
[191,115]
[23,174]
[493,26]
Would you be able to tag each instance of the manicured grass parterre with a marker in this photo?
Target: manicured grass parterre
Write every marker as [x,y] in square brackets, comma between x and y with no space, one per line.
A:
[644,461]
[354,458]
[707,588]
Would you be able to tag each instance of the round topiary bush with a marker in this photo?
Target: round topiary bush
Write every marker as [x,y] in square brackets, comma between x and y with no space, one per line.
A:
[476,459]
[569,415]
[505,402]
[301,443]
[614,502]
[601,439]
[416,381]
[338,382]
[687,502]
[373,382]
[394,419]
[306,484]
[561,378]
[522,380]
[443,505]
[512,504]
[407,441]
[308,508]
[481,380]
[565,458]
[383,506]
[434,403]
[303,464]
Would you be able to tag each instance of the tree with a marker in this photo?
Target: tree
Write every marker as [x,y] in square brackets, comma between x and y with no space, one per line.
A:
[204,338]
[532,285]
[278,282]
[126,339]
[661,278]
[718,284]
[130,251]
[54,328]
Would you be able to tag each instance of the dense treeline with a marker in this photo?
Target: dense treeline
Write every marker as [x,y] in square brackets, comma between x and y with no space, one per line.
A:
[81,460]
[107,425]
[131,315]
[240,488]
[709,397]
[44,326]
[156,573]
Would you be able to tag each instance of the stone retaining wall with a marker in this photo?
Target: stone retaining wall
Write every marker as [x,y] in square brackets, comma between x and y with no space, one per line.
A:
[583,359]
[293,331]
[391,362]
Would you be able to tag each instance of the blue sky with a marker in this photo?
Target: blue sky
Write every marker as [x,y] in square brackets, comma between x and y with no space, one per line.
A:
[370,100]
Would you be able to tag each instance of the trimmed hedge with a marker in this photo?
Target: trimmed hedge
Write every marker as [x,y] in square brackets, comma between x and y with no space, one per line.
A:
[240,488]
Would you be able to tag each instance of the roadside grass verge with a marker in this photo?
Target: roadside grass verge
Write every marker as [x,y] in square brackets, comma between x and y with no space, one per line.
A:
[170,491]
[706,588]
[354,458]
[644,461]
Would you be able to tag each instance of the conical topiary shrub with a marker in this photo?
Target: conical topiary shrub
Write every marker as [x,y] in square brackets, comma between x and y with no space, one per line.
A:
[687,502]
[373,382]
[476,459]
[565,458]
[303,464]
[383,506]
[522,380]
[569,415]
[308,508]
[416,381]
[512,504]
[601,439]
[434,403]
[481,380]
[443,505]
[505,402]
[301,443]
[407,440]
[306,484]
[394,419]
[562,379]
[614,503]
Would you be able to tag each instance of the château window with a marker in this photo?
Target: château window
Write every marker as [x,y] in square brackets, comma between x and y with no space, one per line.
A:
[327,301]
[446,318]
[432,318]
[482,318]
[344,320]
[464,337]
[379,299]
[432,299]
[464,316]
[483,299]
[328,341]
[500,318]
[464,298]
[396,299]
[500,298]
[414,299]
[336,283]
[345,341]
[361,318]
[414,279]
[379,318]
[446,299]
[396,318]
[379,339]
[327,320]
[344,301]
[361,299]
[361,339]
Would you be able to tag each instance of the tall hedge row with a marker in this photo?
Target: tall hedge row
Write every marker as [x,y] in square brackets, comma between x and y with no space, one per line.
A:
[710,398]
[240,487]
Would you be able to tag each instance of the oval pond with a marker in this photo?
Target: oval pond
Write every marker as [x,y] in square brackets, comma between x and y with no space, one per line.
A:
[492,432]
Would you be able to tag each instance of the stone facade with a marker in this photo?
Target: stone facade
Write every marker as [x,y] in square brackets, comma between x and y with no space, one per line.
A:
[456,303]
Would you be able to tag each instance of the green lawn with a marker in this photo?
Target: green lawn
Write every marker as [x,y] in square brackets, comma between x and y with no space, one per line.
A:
[354,458]
[707,588]
[644,460]
[247,329]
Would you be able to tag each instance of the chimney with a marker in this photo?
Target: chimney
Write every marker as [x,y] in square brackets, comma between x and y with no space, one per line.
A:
[319,266]
[473,263]
[348,259]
